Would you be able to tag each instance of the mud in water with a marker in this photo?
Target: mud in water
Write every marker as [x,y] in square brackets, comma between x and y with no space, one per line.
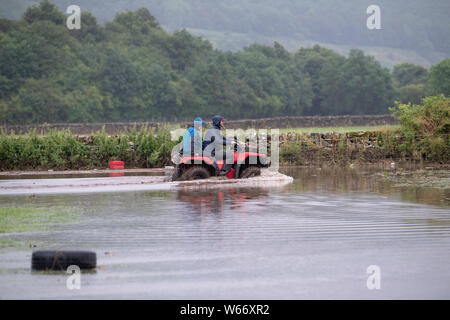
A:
[267,179]
[124,183]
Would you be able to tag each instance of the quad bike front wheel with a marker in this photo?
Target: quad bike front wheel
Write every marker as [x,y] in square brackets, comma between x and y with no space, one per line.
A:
[195,173]
[249,172]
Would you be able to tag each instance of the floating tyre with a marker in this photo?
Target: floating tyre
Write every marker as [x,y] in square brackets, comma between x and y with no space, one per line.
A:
[116,165]
[61,260]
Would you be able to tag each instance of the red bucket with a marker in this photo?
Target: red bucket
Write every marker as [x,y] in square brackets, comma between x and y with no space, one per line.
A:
[116,165]
[230,174]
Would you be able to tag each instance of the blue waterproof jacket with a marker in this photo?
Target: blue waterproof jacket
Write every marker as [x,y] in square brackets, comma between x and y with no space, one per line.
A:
[191,139]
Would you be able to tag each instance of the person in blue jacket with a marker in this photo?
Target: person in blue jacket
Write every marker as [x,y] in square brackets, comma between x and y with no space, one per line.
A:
[192,141]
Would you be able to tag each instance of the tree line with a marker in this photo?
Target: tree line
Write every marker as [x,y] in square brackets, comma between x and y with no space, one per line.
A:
[131,69]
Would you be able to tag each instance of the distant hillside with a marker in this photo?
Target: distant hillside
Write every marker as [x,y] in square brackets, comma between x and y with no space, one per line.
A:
[388,57]
[414,31]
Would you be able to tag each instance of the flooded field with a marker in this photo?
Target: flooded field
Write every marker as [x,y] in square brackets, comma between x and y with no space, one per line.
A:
[310,238]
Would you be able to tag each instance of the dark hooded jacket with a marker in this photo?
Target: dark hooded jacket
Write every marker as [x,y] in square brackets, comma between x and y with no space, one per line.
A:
[213,138]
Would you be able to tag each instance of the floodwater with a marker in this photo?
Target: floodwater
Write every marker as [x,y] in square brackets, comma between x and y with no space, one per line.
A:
[313,238]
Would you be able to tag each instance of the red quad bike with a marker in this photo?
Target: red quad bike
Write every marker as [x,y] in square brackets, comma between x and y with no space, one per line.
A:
[246,164]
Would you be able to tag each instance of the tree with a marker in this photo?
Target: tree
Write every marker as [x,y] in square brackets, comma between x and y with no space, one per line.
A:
[213,82]
[318,63]
[132,69]
[158,90]
[91,31]
[84,105]
[407,73]
[359,86]
[185,50]
[439,78]
[119,76]
[45,10]
[412,93]
[6,86]
[38,101]
[140,21]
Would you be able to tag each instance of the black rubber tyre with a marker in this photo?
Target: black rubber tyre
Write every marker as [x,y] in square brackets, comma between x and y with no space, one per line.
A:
[176,174]
[249,172]
[61,260]
[195,173]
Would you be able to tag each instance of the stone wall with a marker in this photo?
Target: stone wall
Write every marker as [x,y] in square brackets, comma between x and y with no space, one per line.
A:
[313,121]
[313,148]
[269,123]
[80,128]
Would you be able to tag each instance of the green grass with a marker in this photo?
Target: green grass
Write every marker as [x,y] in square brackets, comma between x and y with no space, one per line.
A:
[30,219]
[340,129]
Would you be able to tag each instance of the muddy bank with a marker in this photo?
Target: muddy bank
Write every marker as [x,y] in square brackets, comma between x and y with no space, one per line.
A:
[82,185]
[77,172]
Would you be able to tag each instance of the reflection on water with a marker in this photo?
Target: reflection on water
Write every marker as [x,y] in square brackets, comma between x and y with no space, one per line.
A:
[204,201]
[311,239]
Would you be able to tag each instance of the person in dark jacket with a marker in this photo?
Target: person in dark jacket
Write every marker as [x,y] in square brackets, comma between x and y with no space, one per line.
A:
[213,144]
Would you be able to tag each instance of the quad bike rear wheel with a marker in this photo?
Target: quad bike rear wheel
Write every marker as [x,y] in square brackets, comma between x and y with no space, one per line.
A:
[249,172]
[176,174]
[195,173]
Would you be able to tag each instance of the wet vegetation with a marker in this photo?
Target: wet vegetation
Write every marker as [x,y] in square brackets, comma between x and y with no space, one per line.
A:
[423,135]
[437,178]
[62,150]
[28,219]
[425,128]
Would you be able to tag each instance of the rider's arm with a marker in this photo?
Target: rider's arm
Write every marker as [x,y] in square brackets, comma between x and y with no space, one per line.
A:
[225,140]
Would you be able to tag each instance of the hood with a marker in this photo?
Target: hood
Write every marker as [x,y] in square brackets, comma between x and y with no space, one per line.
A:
[216,121]
[199,120]
[191,131]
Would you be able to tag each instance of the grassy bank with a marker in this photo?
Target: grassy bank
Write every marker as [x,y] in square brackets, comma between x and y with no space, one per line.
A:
[62,150]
